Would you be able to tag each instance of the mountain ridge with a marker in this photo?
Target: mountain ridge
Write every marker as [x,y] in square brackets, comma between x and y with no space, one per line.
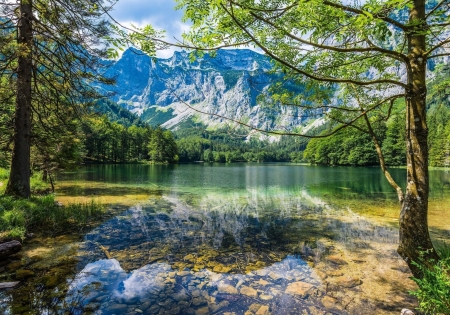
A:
[227,85]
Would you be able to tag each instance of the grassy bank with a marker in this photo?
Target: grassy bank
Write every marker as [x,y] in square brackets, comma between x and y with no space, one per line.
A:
[41,214]
[434,288]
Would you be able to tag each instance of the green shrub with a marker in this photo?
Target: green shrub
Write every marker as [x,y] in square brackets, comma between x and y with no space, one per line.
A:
[434,288]
[4,174]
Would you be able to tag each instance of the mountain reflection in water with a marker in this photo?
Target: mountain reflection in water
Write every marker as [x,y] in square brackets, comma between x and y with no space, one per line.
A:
[157,288]
[184,255]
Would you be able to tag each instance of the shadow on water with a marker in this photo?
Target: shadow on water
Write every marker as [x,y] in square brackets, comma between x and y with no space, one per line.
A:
[253,252]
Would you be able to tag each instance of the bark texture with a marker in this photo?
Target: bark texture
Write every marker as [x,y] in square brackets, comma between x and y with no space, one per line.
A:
[414,235]
[19,178]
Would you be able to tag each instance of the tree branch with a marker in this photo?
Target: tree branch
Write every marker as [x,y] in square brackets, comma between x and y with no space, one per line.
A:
[309,75]
[393,54]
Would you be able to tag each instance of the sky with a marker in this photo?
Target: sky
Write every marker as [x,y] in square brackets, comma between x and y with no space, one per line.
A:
[161,14]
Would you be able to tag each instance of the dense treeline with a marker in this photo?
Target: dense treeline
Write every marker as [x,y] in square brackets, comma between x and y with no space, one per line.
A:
[112,142]
[226,145]
[353,147]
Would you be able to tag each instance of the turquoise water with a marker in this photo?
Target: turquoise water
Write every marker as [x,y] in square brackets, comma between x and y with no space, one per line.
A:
[236,239]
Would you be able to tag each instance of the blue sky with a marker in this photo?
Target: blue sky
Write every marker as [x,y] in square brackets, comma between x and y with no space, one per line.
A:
[159,13]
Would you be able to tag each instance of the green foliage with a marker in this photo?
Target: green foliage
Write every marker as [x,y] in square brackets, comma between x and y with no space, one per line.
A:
[394,144]
[146,38]
[439,134]
[225,145]
[155,117]
[44,215]
[347,147]
[162,147]
[434,287]
[111,142]
[116,113]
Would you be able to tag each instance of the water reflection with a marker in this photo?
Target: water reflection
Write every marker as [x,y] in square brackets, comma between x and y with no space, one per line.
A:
[157,288]
[260,251]
[248,239]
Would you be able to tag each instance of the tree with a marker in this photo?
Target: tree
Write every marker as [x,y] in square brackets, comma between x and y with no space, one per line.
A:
[51,60]
[162,146]
[367,54]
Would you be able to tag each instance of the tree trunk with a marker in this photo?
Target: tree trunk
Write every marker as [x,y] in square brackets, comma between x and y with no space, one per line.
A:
[19,178]
[414,235]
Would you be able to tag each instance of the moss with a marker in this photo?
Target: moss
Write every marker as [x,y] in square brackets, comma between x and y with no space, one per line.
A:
[23,274]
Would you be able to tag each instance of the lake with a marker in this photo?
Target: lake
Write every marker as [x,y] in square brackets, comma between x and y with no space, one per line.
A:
[229,239]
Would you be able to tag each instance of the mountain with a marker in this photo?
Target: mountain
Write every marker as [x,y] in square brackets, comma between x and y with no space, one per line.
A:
[226,85]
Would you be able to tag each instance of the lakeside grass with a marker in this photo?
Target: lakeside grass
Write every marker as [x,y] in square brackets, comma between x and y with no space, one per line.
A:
[42,214]
[434,288]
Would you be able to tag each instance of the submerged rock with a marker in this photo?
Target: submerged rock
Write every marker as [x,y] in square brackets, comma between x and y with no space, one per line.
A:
[298,288]
[347,282]
[337,260]
[226,288]
[245,290]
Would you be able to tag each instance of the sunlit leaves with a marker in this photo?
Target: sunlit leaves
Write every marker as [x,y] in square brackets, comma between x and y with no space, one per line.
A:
[144,38]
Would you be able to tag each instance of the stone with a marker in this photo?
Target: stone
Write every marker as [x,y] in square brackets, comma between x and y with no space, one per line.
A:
[265,297]
[146,305]
[262,282]
[202,311]
[226,288]
[263,310]
[9,248]
[406,311]
[173,311]
[298,288]
[347,282]
[216,277]
[335,273]
[216,307]
[196,293]
[254,307]
[248,291]
[337,260]
[275,276]
[184,304]
[154,309]
[181,296]
[329,302]
[262,272]
[198,301]
[118,308]
[190,258]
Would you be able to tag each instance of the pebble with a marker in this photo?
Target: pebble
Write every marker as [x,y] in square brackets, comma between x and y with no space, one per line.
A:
[265,297]
[202,311]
